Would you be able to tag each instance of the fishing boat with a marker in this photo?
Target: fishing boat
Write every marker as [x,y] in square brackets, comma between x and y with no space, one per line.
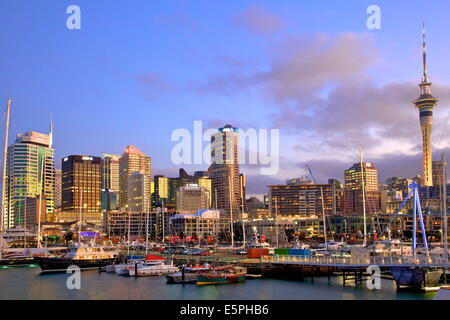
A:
[152,266]
[187,274]
[83,256]
[222,275]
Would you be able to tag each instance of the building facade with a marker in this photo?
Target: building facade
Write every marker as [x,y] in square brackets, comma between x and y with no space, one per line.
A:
[30,172]
[192,198]
[133,160]
[138,189]
[353,201]
[81,184]
[224,171]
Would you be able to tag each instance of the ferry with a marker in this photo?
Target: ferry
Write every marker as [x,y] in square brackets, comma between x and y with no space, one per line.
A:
[83,257]
[222,275]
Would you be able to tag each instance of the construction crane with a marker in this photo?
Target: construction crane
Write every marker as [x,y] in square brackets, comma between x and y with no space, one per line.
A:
[310,174]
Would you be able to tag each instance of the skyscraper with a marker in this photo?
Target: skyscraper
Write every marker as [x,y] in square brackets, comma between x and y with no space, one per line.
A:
[81,183]
[30,170]
[133,160]
[138,190]
[425,103]
[353,196]
[110,181]
[224,171]
[192,198]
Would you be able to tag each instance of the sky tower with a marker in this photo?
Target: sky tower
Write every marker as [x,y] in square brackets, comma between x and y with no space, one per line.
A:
[425,103]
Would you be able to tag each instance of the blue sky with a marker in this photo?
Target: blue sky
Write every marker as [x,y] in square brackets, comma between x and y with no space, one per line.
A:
[139,69]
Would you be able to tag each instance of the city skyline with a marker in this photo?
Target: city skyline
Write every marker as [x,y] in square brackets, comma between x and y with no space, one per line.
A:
[359,68]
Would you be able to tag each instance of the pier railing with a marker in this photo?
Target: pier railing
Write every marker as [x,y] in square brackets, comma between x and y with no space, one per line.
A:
[357,260]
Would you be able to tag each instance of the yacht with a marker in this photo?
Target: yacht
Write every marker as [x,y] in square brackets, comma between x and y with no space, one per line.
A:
[332,245]
[152,266]
[83,256]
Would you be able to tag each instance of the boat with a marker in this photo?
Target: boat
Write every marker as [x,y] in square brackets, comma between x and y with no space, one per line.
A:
[222,275]
[83,256]
[415,276]
[187,274]
[332,245]
[16,259]
[152,266]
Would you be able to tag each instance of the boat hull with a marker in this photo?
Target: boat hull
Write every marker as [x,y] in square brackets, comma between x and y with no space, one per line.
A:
[61,264]
[203,280]
[416,277]
[17,262]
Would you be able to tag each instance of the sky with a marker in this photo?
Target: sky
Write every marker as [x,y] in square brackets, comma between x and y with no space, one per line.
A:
[138,70]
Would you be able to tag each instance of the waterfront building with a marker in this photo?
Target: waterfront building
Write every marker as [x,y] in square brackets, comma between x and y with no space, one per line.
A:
[353,196]
[425,104]
[202,224]
[133,160]
[302,200]
[399,184]
[138,189]
[116,223]
[87,218]
[224,171]
[184,178]
[192,198]
[30,172]
[81,184]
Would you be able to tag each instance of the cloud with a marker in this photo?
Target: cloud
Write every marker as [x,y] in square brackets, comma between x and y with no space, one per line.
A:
[259,21]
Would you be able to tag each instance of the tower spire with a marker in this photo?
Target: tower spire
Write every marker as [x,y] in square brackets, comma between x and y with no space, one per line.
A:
[424,55]
[425,104]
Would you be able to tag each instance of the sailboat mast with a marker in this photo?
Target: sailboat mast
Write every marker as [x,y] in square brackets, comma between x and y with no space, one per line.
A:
[5,151]
[81,217]
[276,221]
[444,208]
[363,196]
[231,211]
[39,245]
[324,220]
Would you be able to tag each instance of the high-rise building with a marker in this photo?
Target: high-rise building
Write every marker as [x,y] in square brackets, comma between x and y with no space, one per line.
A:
[184,178]
[111,172]
[425,103]
[110,181]
[192,198]
[30,172]
[353,193]
[224,171]
[399,185]
[81,183]
[133,160]
[206,183]
[302,200]
[138,189]
[438,172]
[161,192]
[58,188]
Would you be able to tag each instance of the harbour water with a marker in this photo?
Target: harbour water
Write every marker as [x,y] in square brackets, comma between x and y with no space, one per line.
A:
[30,283]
